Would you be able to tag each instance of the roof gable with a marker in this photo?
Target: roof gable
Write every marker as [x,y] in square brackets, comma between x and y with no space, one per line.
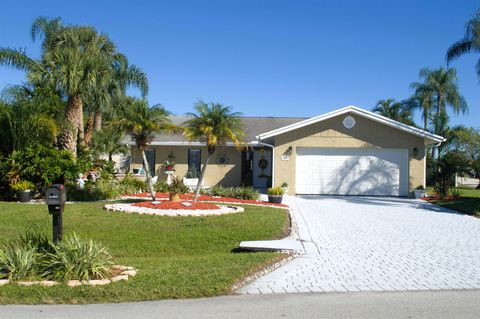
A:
[360,112]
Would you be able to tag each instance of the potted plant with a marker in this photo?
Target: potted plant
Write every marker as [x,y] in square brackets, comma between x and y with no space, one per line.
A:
[284,187]
[420,192]
[23,190]
[275,195]
[169,164]
[176,188]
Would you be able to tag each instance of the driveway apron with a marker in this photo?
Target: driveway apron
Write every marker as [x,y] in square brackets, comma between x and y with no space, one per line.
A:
[376,244]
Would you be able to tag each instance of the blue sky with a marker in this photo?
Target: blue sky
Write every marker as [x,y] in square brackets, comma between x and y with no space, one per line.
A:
[264,58]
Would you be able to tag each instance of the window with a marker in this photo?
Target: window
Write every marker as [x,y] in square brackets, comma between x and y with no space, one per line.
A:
[194,160]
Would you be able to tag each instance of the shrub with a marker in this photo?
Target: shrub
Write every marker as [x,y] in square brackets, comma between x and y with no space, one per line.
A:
[22,186]
[45,166]
[275,191]
[130,185]
[74,258]
[18,261]
[177,187]
[161,186]
[284,184]
[234,192]
[101,189]
[456,192]
[192,172]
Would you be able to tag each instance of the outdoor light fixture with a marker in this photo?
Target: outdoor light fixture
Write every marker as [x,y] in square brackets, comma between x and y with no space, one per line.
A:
[415,151]
[289,150]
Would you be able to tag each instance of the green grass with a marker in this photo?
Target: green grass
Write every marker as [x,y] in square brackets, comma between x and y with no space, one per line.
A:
[469,203]
[176,257]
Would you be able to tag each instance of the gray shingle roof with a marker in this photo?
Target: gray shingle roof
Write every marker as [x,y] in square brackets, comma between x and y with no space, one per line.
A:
[253,126]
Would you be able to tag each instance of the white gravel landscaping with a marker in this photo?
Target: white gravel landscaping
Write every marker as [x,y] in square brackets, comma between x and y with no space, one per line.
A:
[129,208]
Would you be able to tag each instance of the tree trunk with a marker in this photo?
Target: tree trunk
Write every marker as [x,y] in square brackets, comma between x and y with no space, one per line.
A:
[81,128]
[425,119]
[149,177]
[98,121]
[89,130]
[202,176]
[68,137]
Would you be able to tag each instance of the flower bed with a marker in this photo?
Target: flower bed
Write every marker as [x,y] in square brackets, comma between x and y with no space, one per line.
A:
[176,208]
[434,198]
[206,198]
[177,205]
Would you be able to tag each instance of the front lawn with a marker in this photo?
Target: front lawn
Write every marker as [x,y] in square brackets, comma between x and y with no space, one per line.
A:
[468,203]
[176,257]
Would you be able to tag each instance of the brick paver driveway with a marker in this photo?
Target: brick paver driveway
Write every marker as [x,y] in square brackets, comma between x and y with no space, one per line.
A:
[377,244]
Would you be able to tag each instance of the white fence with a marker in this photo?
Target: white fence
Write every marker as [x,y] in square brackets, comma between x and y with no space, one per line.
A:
[466,182]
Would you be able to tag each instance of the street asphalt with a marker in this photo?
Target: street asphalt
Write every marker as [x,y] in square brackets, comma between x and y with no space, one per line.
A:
[444,304]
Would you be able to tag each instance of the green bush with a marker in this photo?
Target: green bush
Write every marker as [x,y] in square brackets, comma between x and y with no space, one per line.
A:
[456,192]
[177,187]
[234,192]
[74,258]
[161,186]
[45,166]
[33,256]
[130,185]
[22,186]
[275,191]
[101,189]
[17,261]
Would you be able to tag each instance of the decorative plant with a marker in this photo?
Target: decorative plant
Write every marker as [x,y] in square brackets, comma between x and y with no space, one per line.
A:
[177,187]
[456,192]
[22,186]
[275,191]
[284,184]
[169,163]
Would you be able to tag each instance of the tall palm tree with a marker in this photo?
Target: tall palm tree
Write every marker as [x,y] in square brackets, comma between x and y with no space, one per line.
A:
[469,43]
[143,122]
[422,99]
[215,125]
[75,61]
[442,85]
[394,110]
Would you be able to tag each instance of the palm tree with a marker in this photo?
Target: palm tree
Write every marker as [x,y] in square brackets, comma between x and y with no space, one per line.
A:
[394,110]
[75,61]
[422,99]
[469,43]
[108,141]
[215,125]
[143,122]
[442,86]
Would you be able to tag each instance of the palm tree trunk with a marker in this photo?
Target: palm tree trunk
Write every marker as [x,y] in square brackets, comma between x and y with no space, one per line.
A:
[147,171]
[89,130]
[68,137]
[425,119]
[81,128]
[98,121]
[202,176]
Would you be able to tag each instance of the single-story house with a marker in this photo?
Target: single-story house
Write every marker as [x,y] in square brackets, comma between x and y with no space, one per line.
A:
[350,151]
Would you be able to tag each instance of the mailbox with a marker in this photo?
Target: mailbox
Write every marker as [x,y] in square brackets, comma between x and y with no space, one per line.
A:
[56,197]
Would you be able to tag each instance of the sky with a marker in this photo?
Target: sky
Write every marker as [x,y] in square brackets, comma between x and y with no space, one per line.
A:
[268,57]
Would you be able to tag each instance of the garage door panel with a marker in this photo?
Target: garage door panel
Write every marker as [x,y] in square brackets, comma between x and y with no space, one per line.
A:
[352,171]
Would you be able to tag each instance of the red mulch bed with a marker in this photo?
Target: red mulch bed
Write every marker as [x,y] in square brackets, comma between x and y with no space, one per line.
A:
[177,205]
[206,198]
[434,198]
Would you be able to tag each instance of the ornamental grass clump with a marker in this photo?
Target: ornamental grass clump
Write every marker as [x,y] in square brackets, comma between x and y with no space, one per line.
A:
[32,256]
[74,258]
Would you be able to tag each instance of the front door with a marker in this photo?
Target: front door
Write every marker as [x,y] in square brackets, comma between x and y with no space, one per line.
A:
[150,154]
[262,169]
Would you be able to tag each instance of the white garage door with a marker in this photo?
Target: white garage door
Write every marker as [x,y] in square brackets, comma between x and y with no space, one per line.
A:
[352,171]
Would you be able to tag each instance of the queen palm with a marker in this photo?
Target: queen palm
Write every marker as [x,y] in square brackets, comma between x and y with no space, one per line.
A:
[394,110]
[143,123]
[441,84]
[215,125]
[469,43]
[422,99]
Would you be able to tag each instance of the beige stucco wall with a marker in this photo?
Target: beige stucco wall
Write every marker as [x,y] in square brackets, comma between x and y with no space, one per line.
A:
[332,134]
[225,175]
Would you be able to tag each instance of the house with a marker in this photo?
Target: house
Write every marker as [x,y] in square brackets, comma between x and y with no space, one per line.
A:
[350,151]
